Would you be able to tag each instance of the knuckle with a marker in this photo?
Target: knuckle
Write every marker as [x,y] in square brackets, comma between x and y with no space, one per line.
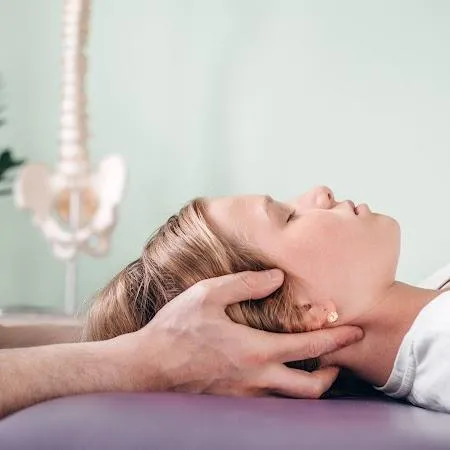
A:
[319,345]
[313,349]
[201,291]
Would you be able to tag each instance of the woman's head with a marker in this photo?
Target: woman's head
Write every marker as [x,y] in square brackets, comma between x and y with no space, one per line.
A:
[337,256]
[185,250]
[333,260]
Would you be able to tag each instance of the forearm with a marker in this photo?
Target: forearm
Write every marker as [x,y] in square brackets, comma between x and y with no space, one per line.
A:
[15,336]
[32,375]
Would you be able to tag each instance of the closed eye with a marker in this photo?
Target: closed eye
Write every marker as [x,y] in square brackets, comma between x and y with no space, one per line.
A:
[291,217]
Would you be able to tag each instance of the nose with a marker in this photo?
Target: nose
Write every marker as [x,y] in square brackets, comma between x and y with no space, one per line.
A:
[324,197]
[320,197]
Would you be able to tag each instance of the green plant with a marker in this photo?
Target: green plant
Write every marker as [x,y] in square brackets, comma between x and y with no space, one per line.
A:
[7,161]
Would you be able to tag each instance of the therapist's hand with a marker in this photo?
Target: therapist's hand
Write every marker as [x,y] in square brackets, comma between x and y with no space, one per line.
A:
[191,345]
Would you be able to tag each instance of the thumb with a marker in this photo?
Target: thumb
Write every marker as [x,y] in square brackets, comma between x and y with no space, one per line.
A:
[235,288]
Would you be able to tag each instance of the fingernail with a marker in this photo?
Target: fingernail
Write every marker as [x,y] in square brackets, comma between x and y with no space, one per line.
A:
[276,276]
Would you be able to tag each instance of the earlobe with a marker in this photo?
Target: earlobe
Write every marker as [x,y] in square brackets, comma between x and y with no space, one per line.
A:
[333,316]
[319,315]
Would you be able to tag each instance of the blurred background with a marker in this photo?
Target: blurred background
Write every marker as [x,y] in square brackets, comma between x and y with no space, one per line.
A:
[216,97]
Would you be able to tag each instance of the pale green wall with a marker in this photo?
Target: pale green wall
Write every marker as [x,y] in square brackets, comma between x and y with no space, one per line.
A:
[213,97]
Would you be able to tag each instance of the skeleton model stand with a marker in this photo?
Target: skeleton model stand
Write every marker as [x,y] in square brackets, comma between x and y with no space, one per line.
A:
[74,206]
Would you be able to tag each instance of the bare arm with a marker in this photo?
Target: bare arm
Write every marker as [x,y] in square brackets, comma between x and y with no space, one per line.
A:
[191,345]
[31,375]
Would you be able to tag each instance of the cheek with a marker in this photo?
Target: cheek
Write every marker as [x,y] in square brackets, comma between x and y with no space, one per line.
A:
[346,253]
[331,246]
[313,246]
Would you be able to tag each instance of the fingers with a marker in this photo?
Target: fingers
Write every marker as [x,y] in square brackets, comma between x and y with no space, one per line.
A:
[300,384]
[235,288]
[311,344]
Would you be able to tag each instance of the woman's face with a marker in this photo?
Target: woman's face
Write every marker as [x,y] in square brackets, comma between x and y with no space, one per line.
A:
[338,256]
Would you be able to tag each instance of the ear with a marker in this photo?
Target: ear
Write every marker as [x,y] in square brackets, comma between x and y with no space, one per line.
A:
[315,313]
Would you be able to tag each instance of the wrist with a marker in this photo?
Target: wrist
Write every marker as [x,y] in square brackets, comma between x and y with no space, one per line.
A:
[137,362]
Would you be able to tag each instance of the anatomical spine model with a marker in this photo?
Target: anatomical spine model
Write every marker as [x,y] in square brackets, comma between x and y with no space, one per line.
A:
[74,206]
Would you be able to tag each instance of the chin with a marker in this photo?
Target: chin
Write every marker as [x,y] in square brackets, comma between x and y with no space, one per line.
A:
[394,236]
[389,233]
[390,220]
[396,225]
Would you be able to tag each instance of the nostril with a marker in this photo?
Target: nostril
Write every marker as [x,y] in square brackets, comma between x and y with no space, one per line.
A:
[323,197]
[331,199]
[329,194]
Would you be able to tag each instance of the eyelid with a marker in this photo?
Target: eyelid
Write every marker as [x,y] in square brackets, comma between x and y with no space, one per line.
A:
[291,216]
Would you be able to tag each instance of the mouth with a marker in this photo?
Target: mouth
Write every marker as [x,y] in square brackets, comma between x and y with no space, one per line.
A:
[362,208]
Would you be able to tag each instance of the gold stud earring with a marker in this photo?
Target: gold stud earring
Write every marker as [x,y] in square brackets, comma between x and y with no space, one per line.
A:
[332,317]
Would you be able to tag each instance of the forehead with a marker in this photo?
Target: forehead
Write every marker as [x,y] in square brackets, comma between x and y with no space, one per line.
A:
[243,205]
[235,215]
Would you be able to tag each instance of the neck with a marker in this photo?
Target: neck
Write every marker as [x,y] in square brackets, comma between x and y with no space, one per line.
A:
[384,327]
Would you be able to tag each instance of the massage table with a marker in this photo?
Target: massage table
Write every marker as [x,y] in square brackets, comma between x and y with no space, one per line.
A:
[171,421]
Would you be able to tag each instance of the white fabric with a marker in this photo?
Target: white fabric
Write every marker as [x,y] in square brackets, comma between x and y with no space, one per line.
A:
[421,371]
[438,280]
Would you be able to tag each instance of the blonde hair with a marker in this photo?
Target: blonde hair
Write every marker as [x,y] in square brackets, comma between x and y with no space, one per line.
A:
[185,250]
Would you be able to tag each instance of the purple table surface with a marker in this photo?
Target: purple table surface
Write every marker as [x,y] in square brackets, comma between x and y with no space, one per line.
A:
[163,421]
